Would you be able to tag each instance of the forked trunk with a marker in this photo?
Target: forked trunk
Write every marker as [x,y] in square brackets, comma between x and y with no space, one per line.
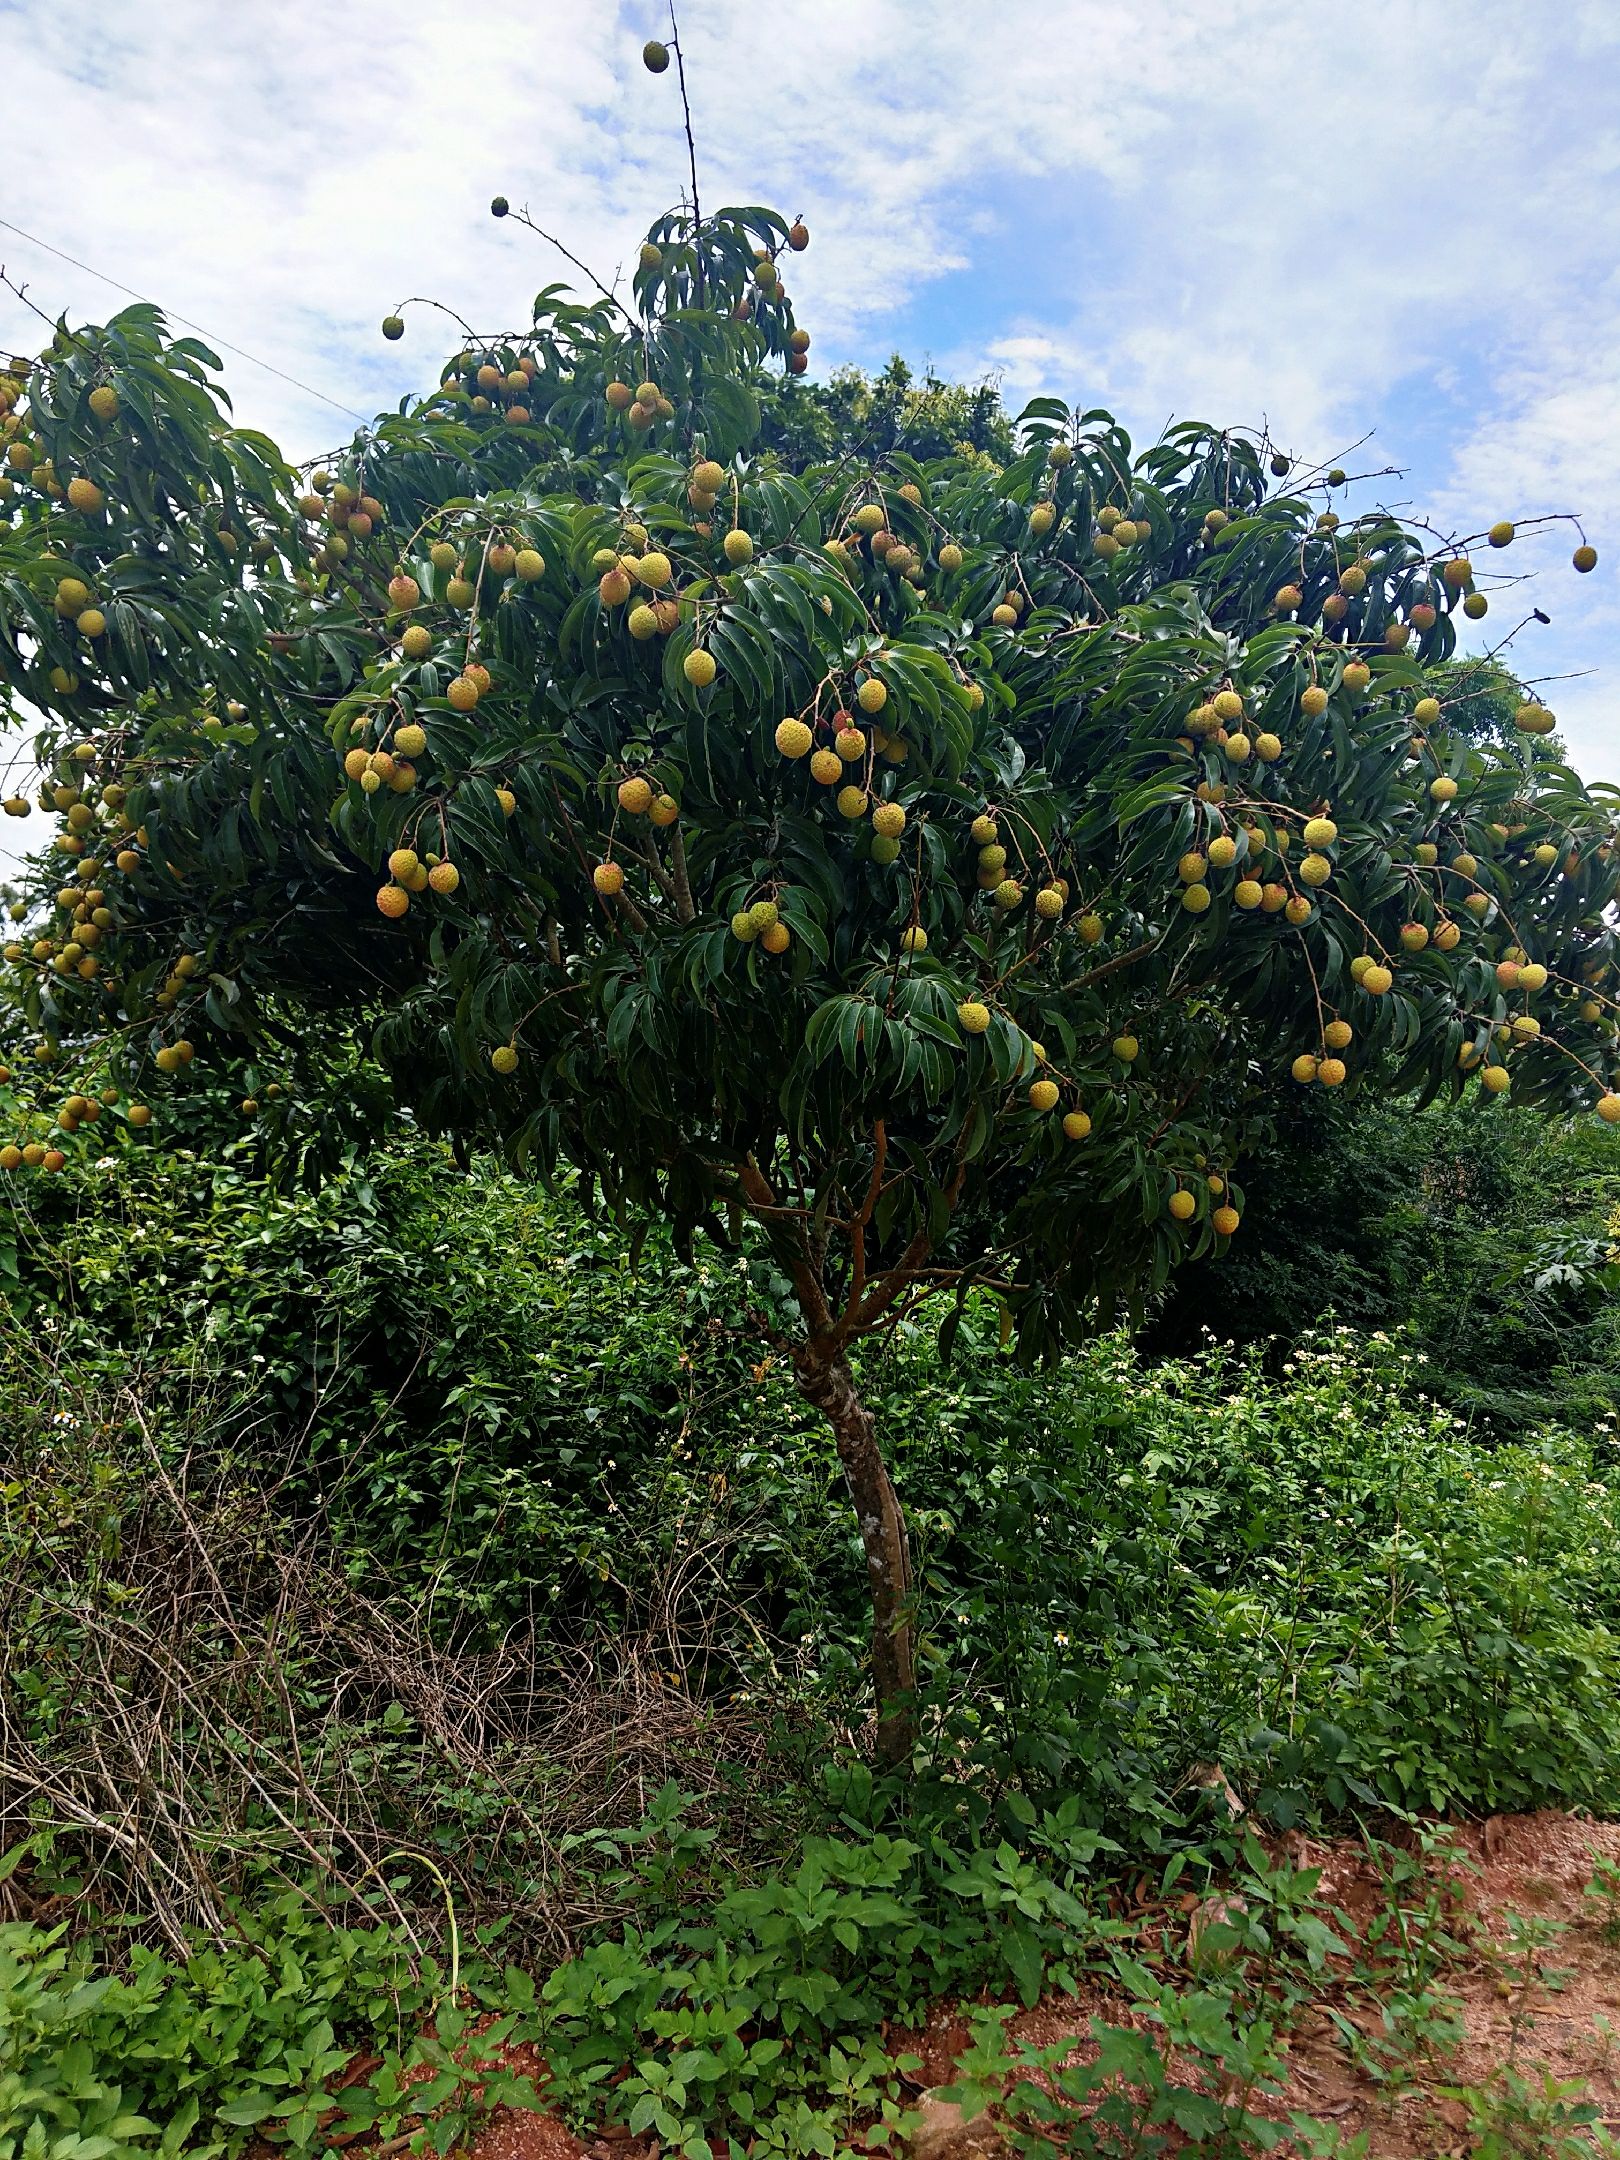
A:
[826,1381]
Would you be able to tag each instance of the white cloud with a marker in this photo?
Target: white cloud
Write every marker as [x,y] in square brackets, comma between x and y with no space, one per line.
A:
[1395,215]
[1549,439]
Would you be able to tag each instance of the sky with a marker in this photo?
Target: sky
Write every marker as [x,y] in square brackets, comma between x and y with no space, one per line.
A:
[1393,221]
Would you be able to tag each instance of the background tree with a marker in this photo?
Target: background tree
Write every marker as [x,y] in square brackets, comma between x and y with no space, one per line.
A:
[876,415]
[1482,699]
[934,868]
[1490,1246]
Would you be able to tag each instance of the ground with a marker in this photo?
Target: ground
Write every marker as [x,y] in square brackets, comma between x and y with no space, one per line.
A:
[1548,2001]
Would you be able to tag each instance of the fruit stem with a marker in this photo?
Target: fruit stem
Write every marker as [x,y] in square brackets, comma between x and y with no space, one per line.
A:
[691,148]
[427,300]
[551,240]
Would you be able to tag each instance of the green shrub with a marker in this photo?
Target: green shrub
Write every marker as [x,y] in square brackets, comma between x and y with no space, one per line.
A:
[473,1383]
[413,1532]
[194,2055]
[1317,1580]
[762,2019]
[489,1429]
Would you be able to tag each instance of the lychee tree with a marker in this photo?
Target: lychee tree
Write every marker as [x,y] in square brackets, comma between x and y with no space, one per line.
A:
[930,870]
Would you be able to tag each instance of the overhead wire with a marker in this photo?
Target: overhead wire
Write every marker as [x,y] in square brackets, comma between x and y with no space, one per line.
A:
[240,351]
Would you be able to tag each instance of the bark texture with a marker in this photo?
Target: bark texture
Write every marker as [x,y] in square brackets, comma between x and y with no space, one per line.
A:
[826,1381]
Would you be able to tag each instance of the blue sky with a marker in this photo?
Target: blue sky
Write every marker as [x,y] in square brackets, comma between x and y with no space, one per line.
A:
[1393,217]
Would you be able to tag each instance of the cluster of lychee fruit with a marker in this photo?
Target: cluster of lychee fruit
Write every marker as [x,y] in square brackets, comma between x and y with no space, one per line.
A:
[1182,1205]
[410,873]
[866,542]
[658,612]
[347,514]
[846,762]
[23,462]
[73,1112]
[487,385]
[762,923]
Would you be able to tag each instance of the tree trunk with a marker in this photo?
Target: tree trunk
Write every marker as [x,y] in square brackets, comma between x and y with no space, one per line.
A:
[826,1381]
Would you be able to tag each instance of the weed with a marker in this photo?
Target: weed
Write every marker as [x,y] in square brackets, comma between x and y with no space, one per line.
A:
[1603,1895]
[1515,2117]
[1417,1934]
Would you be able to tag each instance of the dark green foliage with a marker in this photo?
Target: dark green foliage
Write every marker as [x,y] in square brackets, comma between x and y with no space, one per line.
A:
[478,1442]
[1110,724]
[1489,1240]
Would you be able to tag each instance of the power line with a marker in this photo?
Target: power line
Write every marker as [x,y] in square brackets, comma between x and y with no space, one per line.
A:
[241,352]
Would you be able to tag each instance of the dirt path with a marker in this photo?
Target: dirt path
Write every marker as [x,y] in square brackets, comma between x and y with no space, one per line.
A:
[1538,1999]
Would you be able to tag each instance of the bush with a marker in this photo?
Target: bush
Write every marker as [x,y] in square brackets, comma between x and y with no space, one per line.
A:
[474,1384]
[762,2018]
[208,1705]
[1316,1579]
[192,2055]
[373,1555]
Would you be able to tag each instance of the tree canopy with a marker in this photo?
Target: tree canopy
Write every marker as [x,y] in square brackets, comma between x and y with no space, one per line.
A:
[941,858]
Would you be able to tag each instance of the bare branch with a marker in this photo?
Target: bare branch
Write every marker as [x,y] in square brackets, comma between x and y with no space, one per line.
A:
[691,149]
[807,1288]
[857,1280]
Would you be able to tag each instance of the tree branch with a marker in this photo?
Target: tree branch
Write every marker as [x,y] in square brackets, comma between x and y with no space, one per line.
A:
[551,240]
[1165,1123]
[890,1285]
[691,149]
[685,906]
[812,1302]
[857,1280]
[1111,967]
[661,876]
